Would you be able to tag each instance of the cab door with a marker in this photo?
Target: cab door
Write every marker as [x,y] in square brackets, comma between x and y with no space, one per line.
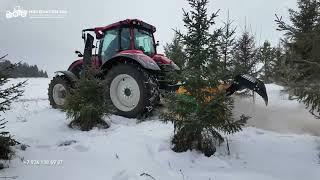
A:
[110,45]
[113,42]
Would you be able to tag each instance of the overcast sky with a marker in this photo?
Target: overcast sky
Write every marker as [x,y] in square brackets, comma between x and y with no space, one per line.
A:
[50,43]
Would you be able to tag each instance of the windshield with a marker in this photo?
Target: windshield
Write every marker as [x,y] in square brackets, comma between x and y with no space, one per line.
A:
[143,40]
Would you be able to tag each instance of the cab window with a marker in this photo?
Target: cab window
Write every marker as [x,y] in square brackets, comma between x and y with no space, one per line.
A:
[143,41]
[110,44]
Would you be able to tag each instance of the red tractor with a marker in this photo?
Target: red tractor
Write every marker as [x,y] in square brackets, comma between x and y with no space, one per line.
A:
[126,57]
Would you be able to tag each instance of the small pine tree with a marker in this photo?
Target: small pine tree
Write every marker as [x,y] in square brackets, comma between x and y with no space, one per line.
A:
[302,40]
[87,103]
[266,56]
[8,94]
[245,55]
[199,116]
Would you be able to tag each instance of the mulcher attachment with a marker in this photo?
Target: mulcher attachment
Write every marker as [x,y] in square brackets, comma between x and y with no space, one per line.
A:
[248,82]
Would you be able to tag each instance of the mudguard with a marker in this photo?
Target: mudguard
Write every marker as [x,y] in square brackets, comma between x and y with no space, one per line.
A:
[144,60]
[69,75]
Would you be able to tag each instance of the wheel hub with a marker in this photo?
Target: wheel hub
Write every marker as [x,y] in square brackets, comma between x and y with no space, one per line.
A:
[127,92]
[62,94]
[124,92]
[59,94]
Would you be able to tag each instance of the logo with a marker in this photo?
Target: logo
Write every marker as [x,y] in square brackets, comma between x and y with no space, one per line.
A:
[17,11]
[20,12]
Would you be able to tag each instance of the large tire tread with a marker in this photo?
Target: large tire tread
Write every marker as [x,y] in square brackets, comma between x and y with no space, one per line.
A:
[61,79]
[149,89]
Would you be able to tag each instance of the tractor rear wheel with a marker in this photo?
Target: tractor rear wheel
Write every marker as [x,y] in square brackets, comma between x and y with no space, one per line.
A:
[59,89]
[132,90]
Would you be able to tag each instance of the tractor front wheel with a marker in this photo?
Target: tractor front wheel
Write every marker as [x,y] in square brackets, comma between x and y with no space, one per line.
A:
[132,90]
[59,89]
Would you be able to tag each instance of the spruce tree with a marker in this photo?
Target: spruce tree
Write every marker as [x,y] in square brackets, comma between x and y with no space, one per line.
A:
[266,56]
[302,39]
[227,42]
[200,115]
[280,68]
[174,51]
[87,104]
[8,94]
[245,55]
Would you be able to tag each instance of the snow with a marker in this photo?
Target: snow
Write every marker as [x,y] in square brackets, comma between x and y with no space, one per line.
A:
[141,151]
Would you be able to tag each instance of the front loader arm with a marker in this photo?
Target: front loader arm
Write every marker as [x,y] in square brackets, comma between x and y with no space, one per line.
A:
[239,83]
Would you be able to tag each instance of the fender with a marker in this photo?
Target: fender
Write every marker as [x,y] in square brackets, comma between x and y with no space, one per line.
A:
[96,63]
[144,60]
[75,63]
[69,75]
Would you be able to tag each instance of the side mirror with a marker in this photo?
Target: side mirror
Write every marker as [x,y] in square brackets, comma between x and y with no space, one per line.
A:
[78,53]
[157,44]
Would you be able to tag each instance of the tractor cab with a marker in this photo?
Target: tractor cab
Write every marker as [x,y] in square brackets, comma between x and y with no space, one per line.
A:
[130,39]
[117,40]
[130,36]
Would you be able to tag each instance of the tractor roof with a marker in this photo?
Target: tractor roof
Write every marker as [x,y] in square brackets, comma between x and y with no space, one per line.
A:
[127,22]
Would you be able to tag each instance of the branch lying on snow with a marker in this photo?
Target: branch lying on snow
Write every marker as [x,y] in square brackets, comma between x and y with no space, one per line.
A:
[148,175]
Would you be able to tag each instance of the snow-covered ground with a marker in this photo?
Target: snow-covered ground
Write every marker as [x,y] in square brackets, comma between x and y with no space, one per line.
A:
[141,151]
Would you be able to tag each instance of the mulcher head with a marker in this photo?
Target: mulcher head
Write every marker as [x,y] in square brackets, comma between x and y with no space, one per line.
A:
[248,82]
